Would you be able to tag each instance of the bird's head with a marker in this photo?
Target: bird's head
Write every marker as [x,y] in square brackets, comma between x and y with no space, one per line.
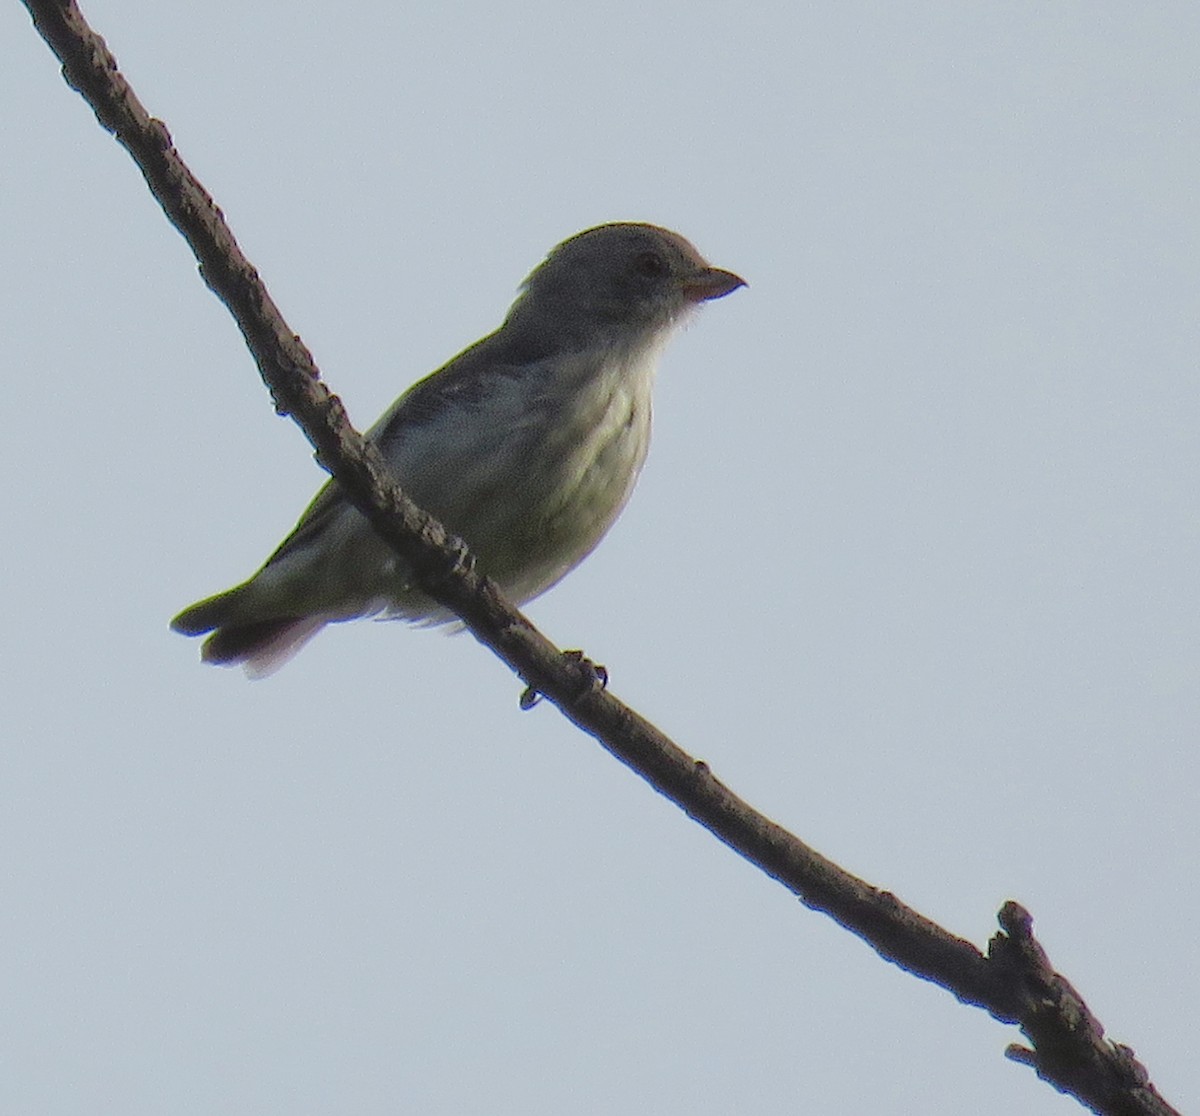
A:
[624,277]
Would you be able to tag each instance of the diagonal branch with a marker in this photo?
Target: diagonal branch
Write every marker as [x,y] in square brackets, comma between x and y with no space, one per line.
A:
[1014,983]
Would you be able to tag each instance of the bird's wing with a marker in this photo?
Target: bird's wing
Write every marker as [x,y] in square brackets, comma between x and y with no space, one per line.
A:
[326,506]
[463,384]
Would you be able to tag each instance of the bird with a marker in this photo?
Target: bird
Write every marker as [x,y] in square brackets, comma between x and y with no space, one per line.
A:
[526,445]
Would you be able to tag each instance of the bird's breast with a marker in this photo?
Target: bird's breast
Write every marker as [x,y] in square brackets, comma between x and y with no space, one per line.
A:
[580,459]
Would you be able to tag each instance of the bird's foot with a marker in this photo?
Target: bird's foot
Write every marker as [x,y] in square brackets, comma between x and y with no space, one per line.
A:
[592,676]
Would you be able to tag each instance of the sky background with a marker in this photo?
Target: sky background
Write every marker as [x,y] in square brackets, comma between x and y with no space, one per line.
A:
[913,563]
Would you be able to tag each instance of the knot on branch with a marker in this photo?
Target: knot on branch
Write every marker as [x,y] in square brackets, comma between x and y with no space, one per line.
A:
[1068,1047]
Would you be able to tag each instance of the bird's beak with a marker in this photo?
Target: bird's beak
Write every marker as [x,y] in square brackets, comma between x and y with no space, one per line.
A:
[709,282]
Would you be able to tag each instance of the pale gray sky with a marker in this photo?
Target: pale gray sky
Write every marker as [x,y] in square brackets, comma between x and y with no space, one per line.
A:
[913,564]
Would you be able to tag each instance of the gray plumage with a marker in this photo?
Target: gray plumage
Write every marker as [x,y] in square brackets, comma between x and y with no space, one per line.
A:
[527,445]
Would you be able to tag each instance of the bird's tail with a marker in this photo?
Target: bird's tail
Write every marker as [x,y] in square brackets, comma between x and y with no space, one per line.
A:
[261,646]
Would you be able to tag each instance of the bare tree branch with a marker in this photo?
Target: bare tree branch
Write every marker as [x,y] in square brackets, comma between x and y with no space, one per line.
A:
[1014,983]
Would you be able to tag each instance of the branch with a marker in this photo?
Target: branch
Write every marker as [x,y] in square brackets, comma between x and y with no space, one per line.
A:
[1014,983]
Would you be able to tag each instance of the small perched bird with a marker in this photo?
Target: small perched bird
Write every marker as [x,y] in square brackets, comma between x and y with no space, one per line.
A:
[526,445]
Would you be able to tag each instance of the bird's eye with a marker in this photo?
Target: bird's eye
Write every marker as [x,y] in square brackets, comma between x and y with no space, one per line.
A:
[650,264]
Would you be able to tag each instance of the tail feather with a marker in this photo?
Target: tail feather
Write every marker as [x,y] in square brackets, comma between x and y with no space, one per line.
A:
[208,614]
[261,646]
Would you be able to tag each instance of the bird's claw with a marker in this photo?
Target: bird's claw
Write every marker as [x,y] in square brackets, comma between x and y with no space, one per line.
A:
[528,699]
[593,676]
